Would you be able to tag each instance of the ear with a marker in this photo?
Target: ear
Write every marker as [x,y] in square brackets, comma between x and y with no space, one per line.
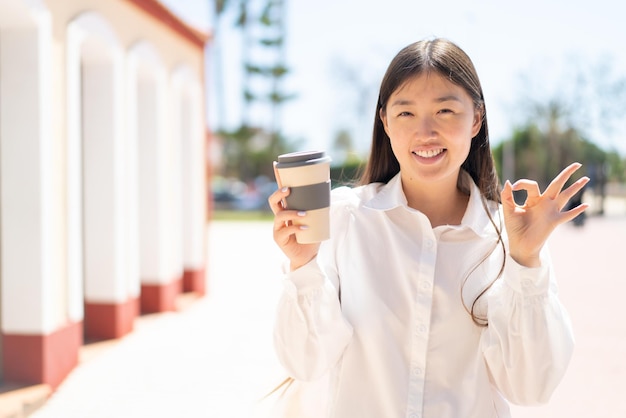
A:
[383,117]
[478,121]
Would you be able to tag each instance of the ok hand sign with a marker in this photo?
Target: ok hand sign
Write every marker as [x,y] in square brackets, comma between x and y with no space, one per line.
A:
[529,225]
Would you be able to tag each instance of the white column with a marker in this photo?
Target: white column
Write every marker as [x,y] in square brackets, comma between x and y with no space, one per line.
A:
[32,301]
[155,185]
[74,173]
[131,225]
[189,134]
[193,177]
[103,187]
[175,144]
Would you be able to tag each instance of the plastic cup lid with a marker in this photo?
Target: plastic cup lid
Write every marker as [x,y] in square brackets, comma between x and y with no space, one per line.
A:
[300,158]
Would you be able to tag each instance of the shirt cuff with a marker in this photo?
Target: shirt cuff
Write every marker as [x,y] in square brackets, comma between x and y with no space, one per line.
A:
[305,279]
[527,280]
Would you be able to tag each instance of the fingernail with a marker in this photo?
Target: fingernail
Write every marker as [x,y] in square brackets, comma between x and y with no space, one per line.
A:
[301,213]
[303,227]
[284,189]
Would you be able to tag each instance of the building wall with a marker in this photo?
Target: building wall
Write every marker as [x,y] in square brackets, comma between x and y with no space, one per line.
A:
[103,195]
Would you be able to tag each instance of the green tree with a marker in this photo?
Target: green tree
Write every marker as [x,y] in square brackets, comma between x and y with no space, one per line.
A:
[559,126]
[252,146]
[541,153]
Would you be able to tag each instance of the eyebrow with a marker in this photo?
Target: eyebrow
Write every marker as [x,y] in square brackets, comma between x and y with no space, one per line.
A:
[405,102]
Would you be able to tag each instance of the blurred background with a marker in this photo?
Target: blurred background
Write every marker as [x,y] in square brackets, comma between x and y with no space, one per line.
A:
[138,274]
[285,75]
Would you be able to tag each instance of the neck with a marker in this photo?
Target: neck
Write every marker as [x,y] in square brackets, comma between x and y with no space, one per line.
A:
[442,202]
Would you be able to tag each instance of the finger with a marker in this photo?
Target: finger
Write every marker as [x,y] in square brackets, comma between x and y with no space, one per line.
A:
[283,236]
[554,188]
[572,213]
[285,225]
[287,218]
[276,199]
[283,231]
[571,191]
[531,187]
[274,203]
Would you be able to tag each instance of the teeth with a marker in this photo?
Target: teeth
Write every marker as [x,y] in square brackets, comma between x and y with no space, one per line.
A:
[428,153]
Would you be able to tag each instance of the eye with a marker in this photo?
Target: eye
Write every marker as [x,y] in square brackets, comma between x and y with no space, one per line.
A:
[405,113]
[445,111]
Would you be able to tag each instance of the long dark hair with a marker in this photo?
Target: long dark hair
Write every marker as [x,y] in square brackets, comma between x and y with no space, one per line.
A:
[447,59]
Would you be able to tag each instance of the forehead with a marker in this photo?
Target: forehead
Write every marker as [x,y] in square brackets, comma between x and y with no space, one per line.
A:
[429,83]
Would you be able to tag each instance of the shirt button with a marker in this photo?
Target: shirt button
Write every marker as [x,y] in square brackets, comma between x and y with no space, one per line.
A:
[414,415]
[417,371]
[422,328]
[429,243]
[425,285]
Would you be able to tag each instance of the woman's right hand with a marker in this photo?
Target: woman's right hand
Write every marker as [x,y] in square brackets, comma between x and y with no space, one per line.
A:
[285,230]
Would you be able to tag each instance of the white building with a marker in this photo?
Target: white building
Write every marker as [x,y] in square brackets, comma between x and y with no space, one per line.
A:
[103,194]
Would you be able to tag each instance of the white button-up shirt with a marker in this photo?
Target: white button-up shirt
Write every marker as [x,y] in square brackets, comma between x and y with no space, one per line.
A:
[381,315]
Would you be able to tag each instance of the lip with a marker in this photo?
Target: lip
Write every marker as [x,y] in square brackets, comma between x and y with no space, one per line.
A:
[429,155]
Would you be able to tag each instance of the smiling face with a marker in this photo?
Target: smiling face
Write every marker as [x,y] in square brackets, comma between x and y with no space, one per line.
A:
[430,122]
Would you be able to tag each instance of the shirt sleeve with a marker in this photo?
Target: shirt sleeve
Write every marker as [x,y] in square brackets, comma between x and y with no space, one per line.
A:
[310,332]
[528,342]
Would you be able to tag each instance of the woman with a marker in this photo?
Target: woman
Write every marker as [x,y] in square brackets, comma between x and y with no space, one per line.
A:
[435,296]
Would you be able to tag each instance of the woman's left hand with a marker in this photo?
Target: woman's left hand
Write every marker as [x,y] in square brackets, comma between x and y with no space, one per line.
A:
[529,225]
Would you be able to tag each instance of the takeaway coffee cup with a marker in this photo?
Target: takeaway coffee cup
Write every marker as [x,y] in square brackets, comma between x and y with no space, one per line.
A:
[307,174]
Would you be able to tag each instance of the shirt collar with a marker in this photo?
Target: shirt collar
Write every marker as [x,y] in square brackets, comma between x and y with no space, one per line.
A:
[391,196]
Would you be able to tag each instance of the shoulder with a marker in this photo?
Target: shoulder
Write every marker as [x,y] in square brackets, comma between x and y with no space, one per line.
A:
[345,207]
[353,197]
[347,203]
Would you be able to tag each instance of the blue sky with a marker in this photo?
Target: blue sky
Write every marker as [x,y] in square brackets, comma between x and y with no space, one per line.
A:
[538,39]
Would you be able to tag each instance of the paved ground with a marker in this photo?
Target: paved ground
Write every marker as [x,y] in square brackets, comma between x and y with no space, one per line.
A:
[215,359]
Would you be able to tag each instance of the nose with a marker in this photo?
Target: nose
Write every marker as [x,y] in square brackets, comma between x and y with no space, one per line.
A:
[425,128]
